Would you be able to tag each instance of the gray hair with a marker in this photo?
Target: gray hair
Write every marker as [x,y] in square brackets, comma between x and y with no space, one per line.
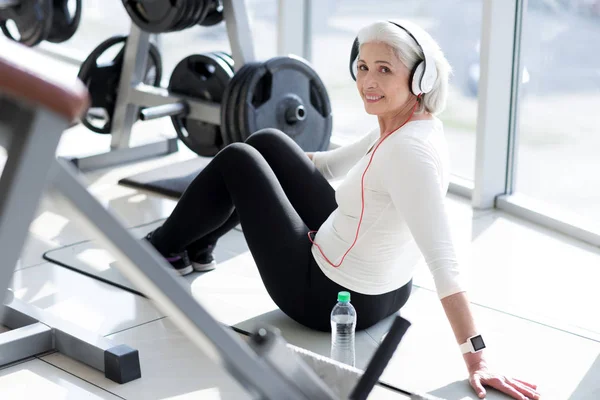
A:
[409,53]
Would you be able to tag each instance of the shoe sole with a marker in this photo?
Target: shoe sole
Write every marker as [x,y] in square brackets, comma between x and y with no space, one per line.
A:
[185,271]
[204,267]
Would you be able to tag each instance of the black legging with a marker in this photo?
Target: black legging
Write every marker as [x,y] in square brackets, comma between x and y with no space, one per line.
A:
[269,185]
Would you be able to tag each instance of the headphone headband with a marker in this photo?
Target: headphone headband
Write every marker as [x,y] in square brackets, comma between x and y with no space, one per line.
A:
[428,74]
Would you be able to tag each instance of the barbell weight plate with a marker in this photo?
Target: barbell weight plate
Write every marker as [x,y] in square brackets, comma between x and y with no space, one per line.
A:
[227,57]
[228,107]
[64,24]
[102,81]
[179,18]
[287,94]
[202,9]
[225,109]
[233,104]
[203,77]
[193,8]
[32,18]
[184,16]
[155,16]
[238,115]
[215,16]
[223,112]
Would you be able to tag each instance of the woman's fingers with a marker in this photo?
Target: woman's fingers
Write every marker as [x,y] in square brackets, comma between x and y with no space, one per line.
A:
[476,384]
[531,385]
[526,390]
[503,386]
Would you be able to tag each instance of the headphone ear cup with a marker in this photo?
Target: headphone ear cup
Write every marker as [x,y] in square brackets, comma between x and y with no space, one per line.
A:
[415,78]
[353,58]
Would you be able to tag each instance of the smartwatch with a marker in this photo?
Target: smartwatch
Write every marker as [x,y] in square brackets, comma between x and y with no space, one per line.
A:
[474,344]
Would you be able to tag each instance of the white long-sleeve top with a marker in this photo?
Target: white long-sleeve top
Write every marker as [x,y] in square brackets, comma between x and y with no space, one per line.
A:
[404,218]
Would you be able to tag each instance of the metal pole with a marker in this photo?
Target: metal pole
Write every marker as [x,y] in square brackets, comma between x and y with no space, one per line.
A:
[134,69]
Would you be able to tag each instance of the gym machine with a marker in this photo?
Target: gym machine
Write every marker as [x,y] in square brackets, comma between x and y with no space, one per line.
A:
[213,99]
[137,100]
[33,113]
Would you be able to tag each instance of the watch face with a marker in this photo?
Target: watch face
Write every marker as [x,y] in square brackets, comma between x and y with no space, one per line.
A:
[477,343]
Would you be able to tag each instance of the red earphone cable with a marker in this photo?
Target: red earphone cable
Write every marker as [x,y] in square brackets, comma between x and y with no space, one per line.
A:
[362,190]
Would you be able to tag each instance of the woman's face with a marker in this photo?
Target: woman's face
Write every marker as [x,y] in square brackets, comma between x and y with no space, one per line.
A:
[381,79]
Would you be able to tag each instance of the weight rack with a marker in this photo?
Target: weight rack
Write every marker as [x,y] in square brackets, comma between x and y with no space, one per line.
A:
[138,100]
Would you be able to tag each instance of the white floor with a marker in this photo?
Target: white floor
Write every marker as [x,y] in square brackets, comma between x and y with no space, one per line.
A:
[535,295]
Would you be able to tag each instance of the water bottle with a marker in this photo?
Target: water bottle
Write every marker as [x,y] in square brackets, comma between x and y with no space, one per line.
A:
[343,325]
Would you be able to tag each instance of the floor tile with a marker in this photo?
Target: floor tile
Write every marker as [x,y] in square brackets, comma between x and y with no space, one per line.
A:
[86,302]
[520,268]
[428,358]
[90,258]
[54,224]
[235,295]
[37,379]
[172,368]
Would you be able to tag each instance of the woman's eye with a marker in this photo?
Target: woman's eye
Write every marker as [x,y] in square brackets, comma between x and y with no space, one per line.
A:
[362,67]
[385,69]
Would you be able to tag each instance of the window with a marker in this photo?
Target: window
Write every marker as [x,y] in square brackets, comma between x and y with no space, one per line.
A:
[559,125]
[456,26]
[100,19]
[263,23]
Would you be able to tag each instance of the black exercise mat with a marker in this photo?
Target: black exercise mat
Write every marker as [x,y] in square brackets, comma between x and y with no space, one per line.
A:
[170,180]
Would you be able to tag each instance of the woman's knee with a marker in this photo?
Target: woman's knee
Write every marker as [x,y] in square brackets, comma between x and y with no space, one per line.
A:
[270,139]
[265,135]
[271,142]
[238,154]
[235,149]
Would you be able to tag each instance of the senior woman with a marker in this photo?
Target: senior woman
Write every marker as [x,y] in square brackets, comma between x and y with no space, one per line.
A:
[310,241]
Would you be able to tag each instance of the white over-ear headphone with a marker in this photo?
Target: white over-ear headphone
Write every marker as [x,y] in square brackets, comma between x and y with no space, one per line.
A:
[422,77]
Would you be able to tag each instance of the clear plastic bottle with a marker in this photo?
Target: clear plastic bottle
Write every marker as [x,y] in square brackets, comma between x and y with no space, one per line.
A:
[343,326]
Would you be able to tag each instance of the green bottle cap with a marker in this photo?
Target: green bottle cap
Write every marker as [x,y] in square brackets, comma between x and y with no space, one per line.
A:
[344,297]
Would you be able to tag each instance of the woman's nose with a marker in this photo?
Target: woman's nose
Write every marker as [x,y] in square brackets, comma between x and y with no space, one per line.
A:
[370,81]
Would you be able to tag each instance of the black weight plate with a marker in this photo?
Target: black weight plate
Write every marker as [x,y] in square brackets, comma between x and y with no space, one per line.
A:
[227,57]
[225,130]
[234,104]
[33,20]
[228,107]
[215,16]
[102,81]
[155,16]
[192,13]
[153,74]
[200,12]
[203,77]
[184,16]
[238,115]
[64,25]
[274,93]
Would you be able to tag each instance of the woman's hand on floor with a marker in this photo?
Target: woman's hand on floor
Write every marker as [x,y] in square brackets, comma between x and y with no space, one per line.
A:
[480,376]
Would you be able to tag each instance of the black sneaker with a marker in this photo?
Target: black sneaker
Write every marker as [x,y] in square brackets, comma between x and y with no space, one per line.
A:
[203,260]
[179,261]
